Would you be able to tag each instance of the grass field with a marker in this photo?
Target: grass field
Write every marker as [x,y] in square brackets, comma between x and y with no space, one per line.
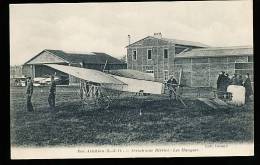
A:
[161,121]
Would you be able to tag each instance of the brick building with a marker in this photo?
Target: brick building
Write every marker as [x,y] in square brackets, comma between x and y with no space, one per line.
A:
[201,64]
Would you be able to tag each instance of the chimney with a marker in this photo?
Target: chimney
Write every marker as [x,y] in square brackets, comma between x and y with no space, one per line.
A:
[157,35]
[129,39]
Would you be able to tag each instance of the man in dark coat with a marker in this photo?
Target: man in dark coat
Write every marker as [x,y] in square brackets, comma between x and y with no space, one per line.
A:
[240,80]
[248,88]
[221,84]
[172,84]
[234,80]
[227,81]
[29,92]
[219,80]
[51,98]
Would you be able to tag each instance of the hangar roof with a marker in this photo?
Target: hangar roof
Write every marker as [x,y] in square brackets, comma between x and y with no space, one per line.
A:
[217,52]
[74,57]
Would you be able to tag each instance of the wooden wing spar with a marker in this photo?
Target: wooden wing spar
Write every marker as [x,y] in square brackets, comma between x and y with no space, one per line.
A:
[130,73]
[112,81]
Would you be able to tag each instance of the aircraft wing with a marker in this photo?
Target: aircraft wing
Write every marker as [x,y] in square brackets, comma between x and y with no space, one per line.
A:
[87,74]
[136,85]
[137,81]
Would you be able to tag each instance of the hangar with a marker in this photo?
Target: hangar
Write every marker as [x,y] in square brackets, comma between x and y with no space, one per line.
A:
[201,67]
[91,60]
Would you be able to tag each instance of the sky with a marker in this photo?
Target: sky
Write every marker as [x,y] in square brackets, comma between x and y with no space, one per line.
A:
[104,27]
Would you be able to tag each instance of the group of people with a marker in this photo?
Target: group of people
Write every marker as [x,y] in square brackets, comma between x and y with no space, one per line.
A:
[224,81]
[29,92]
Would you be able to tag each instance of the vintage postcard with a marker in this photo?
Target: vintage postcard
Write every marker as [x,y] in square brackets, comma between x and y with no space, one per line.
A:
[129,80]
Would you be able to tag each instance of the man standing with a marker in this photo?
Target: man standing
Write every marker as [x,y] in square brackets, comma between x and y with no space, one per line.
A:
[240,80]
[51,98]
[220,77]
[29,92]
[81,90]
[248,88]
[227,81]
[172,84]
[221,84]
[234,80]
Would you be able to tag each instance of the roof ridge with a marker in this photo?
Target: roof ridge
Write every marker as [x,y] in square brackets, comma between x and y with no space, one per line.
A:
[177,39]
[79,52]
[139,40]
[195,42]
[190,43]
[99,58]
[53,50]
[225,48]
[216,51]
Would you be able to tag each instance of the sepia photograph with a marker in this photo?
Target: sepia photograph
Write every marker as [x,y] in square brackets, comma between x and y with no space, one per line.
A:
[131,79]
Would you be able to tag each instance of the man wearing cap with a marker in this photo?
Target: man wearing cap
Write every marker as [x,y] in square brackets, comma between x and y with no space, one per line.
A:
[248,88]
[51,98]
[171,84]
[221,84]
[220,79]
[29,92]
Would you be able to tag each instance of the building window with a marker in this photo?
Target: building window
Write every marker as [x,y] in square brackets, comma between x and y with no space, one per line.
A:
[165,53]
[166,75]
[149,54]
[134,55]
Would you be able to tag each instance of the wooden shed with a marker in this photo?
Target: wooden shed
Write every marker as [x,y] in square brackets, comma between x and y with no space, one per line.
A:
[202,66]
[92,60]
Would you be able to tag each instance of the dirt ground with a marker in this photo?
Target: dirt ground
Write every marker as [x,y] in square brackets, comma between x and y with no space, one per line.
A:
[130,120]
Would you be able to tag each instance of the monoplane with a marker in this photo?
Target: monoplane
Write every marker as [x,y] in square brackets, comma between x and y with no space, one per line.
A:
[104,87]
